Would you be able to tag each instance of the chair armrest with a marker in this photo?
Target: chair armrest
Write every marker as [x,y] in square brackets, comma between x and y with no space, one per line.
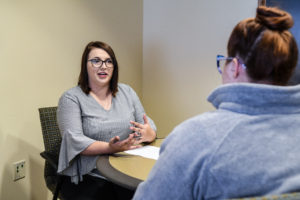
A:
[51,158]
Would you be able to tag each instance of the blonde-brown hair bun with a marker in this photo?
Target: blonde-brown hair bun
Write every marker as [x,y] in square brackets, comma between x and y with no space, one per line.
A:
[274,18]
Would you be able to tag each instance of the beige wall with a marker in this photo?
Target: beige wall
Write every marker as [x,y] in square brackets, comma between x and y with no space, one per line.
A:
[41,43]
[40,48]
[180,42]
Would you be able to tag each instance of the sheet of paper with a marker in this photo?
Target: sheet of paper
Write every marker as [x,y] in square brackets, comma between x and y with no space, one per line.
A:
[151,152]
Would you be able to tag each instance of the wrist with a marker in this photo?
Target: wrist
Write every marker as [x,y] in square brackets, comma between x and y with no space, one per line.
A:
[152,136]
[109,148]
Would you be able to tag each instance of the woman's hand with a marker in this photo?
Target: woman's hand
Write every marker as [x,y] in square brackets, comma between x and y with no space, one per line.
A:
[144,132]
[116,145]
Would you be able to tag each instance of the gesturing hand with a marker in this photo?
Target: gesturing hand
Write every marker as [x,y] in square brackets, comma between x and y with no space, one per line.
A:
[116,145]
[144,131]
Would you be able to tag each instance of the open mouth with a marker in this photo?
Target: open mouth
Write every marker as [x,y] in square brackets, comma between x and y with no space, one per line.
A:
[102,74]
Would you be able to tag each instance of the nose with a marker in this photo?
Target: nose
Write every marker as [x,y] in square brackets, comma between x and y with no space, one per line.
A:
[103,67]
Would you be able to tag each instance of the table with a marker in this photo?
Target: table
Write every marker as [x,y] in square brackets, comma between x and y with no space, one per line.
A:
[126,170]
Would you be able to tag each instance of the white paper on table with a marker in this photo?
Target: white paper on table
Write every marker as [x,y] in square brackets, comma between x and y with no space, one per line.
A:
[151,152]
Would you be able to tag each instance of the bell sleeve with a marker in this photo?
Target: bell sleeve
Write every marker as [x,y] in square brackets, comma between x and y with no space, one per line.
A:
[73,140]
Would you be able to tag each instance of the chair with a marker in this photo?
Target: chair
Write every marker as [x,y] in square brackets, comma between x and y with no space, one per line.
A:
[287,196]
[52,141]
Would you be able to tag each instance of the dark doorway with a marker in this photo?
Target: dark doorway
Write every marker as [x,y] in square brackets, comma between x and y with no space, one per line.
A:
[293,7]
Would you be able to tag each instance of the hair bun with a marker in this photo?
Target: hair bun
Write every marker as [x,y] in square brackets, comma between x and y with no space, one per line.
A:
[274,18]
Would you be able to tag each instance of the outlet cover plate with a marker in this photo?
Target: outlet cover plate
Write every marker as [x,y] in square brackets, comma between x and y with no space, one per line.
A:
[19,170]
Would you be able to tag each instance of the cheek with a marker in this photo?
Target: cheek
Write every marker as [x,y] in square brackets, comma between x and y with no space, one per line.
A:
[89,71]
[111,73]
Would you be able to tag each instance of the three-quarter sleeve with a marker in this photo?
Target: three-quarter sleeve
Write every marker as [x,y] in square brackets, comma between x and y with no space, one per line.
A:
[73,140]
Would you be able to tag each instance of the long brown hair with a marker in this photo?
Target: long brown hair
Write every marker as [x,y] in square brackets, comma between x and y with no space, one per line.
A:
[265,45]
[83,80]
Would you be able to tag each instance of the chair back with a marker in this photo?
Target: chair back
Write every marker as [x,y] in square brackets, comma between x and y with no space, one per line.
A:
[52,142]
[50,130]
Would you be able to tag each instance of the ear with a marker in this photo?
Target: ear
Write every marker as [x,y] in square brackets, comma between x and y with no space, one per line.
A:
[233,67]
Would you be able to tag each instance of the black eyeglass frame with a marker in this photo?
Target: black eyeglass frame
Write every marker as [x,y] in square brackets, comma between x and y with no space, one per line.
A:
[94,62]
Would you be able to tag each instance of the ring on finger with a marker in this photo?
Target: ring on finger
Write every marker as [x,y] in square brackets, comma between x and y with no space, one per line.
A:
[138,134]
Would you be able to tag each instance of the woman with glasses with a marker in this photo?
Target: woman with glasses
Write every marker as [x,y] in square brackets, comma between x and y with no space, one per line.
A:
[98,116]
[249,146]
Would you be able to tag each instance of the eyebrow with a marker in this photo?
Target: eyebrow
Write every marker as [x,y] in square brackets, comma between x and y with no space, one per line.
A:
[95,58]
[100,58]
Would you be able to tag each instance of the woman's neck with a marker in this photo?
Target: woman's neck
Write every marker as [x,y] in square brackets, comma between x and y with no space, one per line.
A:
[101,91]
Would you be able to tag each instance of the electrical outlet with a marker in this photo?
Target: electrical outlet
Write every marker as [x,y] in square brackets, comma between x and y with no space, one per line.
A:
[19,170]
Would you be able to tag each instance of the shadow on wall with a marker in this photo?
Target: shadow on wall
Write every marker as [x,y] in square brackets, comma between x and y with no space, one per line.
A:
[32,186]
[173,88]
[156,90]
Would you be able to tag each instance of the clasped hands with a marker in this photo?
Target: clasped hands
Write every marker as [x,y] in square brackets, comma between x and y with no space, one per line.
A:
[142,133]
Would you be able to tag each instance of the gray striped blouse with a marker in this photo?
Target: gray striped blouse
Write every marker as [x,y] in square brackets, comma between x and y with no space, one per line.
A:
[82,121]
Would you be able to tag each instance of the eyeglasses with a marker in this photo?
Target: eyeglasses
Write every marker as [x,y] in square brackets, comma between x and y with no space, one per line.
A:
[97,63]
[222,61]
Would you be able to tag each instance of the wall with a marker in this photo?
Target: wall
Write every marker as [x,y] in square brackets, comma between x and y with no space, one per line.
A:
[180,42]
[40,48]
[41,43]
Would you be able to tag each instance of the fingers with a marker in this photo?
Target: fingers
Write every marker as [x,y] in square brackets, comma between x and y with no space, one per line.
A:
[114,139]
[138,141]
[145,119]
[136,129]
[129,141]
[135,146]
[132,142]
[136,124]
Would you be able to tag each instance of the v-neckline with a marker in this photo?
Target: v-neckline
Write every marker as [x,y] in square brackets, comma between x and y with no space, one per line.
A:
[111,104]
